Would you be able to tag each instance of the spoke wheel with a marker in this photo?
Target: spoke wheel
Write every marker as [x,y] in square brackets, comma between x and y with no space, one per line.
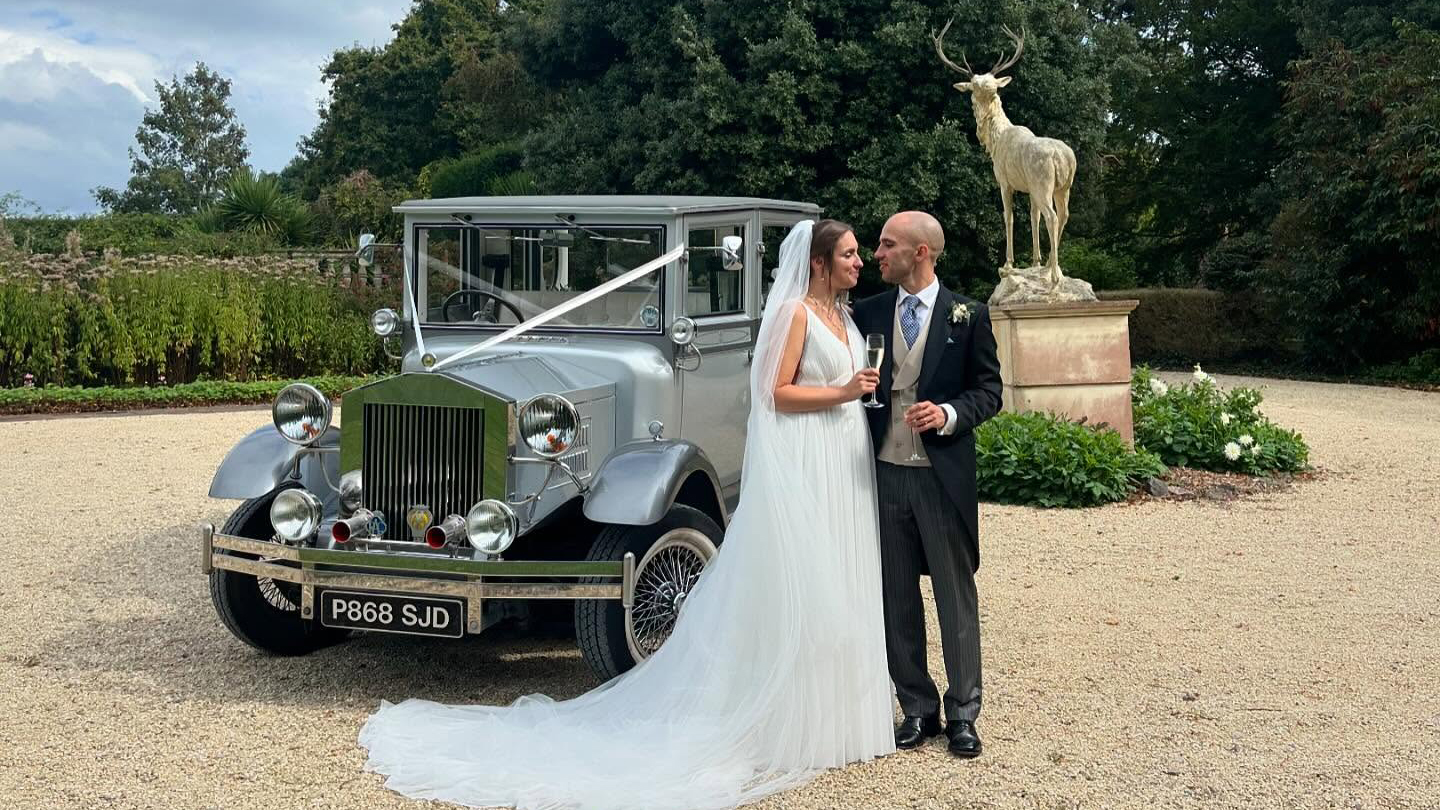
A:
[281,595]
[664,578]
[669,557]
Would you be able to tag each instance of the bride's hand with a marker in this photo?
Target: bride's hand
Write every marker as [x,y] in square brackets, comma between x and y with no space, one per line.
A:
[864,382]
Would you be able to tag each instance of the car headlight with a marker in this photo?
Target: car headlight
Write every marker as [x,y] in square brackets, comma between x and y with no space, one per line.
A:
[384,322]
[301,413]
[548,424]
[295,514]
[491,526]
[351,492]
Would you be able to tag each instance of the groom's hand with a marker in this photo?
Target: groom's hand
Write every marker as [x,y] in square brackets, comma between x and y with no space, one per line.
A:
[923,416]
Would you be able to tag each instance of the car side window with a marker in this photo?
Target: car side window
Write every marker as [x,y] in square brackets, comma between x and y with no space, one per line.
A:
[710,289]
[770,236]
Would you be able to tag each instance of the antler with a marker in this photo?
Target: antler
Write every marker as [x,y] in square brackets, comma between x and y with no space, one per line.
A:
[1019,47]
[940,50]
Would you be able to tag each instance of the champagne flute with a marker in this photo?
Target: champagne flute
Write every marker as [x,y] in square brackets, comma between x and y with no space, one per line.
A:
[874,356]
[910,401]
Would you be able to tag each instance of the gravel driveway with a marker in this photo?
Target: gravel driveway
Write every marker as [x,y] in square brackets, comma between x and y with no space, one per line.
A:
[1281,650]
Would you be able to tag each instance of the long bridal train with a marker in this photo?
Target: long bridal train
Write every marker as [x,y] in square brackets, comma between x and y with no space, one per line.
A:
[775,671]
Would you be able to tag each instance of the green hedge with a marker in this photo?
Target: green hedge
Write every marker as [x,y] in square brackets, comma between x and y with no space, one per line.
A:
[57,399]
[88,321]
[132,235]
[1040,459]
[1179,325]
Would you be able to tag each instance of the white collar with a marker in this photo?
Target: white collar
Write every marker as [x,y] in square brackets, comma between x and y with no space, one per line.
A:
[927,296]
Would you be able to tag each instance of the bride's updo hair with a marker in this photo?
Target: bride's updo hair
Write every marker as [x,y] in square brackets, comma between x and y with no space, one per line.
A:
[823,237]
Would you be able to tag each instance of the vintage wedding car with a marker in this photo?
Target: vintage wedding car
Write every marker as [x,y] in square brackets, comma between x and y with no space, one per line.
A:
[567,424]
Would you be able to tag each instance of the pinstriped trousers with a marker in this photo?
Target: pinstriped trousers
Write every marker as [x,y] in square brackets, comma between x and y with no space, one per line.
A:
[919,527]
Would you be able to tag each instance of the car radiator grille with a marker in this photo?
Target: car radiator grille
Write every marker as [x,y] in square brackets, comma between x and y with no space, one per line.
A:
[421,454]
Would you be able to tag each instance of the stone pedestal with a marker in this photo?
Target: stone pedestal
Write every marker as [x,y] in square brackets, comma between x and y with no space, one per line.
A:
[1067,358]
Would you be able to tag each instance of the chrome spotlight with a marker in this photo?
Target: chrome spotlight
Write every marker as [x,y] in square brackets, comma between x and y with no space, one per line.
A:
[295,514]
[491,526]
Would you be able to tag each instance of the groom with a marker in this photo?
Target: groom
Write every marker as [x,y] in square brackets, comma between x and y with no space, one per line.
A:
[939,355]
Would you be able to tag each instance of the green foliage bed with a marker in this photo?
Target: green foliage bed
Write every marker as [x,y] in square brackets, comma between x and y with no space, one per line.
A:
[89,321]
[1044,460]
[1197,424]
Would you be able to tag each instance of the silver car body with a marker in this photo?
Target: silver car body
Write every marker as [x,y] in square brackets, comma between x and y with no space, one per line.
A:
[652,433]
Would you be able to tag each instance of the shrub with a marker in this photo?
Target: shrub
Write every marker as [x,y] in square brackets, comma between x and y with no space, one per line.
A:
[138,235]
[1043,460]
[205,392]
[254,204]
[1103,269]
[360,203]
[1422,369]
[476,173]
[1187,325]
[1197,424]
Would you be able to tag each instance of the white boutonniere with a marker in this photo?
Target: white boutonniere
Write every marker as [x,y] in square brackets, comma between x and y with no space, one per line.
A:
[960,313]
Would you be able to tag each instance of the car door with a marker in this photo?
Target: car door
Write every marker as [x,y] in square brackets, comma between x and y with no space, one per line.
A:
[715,398]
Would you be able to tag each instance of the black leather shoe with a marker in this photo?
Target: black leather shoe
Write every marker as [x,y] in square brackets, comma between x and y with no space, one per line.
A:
[913,731]
[964,742]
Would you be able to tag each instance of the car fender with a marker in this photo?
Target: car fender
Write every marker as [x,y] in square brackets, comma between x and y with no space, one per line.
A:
[637,483]
[264,459]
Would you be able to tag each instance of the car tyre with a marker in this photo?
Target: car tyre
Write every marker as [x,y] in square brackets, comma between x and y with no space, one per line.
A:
[262,612]
[669,556]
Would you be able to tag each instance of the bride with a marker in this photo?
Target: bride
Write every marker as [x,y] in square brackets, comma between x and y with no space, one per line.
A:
[775,669]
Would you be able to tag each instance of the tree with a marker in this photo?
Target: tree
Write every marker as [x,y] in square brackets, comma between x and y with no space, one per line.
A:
[189,148]
[392,110]
[835,101]
[1357,234]
[1193,133]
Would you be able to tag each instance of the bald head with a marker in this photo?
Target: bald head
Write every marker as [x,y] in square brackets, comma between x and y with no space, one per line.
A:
[922,229]
[909,245]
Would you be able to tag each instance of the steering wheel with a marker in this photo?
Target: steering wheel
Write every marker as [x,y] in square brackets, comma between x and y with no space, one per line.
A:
[487,307]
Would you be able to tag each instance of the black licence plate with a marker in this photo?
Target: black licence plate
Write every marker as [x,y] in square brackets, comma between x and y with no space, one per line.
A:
[388,613]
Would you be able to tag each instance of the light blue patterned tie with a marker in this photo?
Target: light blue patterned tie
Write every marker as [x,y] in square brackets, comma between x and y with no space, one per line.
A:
[909,324]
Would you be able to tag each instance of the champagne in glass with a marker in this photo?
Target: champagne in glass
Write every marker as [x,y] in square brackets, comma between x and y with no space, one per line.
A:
[910,401]
[874,356]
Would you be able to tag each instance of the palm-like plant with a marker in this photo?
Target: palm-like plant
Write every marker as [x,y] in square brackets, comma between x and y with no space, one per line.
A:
[256,204]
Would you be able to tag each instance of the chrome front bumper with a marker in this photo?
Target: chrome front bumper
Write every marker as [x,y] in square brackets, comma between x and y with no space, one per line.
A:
[391,573]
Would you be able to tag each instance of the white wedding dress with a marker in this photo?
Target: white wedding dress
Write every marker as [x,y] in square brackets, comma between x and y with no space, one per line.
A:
[776,667]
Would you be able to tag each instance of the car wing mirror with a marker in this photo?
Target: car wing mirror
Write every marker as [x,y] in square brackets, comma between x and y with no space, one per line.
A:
[731,255]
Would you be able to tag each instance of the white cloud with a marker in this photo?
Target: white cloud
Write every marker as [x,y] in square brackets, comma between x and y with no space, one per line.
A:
[75,76]
[128,68]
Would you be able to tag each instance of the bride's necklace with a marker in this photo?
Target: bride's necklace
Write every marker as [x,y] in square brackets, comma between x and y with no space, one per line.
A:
[829,313]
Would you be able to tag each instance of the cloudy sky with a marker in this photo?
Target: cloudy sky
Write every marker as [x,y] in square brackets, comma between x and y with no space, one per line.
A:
[76,76]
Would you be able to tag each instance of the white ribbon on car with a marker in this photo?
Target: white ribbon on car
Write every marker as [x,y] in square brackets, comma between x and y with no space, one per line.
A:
[413,303]
[555,312]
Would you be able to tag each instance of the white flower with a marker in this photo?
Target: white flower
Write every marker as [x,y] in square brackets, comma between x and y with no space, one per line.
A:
[960,313]
[1225,418]
[1255,450]
[1232,451]
[1159,388]
[1200,376]
[1246,440]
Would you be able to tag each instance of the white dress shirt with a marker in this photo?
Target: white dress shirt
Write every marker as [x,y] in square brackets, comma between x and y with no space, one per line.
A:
[923,310]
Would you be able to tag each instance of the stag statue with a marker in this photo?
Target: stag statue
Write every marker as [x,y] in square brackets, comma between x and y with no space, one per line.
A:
[1044,168]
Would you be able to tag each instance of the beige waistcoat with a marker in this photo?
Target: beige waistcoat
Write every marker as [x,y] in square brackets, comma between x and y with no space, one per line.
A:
[905,378]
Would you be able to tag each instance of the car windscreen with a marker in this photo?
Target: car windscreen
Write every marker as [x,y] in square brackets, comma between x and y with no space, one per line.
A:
[502,274]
